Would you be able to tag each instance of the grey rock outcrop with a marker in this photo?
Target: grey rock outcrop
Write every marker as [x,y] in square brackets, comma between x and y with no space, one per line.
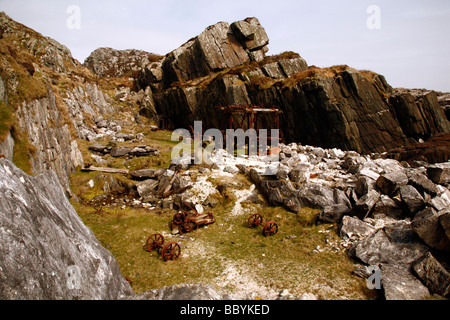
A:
[51,113]
[219,68]
[47,252]
[391,182]
[119,63]
[51,53]
[380,248]
[219,47]
[432,274]
[183,292]
[49,133]
[428,226]
[419,113]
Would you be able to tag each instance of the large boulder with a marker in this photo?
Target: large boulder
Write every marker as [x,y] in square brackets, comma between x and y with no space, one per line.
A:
[400,284]
[353,226]
[432,274]
[439,173]
[183,292]
[424,185]
[253,37]
[47,252]
[412,199]
[321,197]
[334,213]
[389,183]
[219,47]
[363,207]
[386,247]
[147,188]
[428,226]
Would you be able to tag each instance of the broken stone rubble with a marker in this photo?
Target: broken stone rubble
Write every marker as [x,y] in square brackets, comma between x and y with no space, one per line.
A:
[406,208]
[388,228]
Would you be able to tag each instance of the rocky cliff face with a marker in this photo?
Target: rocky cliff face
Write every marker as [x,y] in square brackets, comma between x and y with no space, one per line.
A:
[47,252]
[47,131]
[331,107]
[49,100]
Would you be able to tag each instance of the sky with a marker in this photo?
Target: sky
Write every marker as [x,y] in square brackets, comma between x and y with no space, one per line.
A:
[407,41]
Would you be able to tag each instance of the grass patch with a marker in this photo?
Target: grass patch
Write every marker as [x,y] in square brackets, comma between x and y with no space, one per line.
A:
[7,120]
[160,140]
[228,254]
[23,151]
[314,73]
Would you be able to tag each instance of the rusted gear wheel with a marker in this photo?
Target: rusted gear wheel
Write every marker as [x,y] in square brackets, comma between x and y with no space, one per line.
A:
[270,229]
[155,242]
[255,220]
[178,218]
[171,251]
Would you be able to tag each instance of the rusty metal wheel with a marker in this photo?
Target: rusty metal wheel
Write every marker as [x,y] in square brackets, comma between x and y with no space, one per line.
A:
[155,242]
[255,220]
[178,218]
[270,229]
[171,251]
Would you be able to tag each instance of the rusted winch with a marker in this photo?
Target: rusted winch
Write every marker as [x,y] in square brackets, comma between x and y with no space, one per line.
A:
[186,222]
[168,251]
[270,228]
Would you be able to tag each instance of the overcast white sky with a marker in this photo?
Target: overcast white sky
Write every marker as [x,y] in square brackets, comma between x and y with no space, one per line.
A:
[411,49]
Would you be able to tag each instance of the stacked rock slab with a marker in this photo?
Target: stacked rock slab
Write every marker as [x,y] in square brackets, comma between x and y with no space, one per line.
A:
[219,47]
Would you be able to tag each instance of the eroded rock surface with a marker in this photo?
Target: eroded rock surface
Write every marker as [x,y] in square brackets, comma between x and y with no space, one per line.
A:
[47,252]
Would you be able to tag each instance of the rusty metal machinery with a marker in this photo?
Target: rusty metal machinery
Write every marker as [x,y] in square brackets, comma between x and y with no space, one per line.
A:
[249,117]
[187,222]
[270,228]
[168,251]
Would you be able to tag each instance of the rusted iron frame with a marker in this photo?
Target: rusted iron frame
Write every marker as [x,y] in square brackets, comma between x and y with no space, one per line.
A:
[251,114]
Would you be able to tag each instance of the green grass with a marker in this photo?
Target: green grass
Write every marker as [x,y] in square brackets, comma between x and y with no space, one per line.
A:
[22,147]
[211,255]
[23,151]
[7,119]
[276,263]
